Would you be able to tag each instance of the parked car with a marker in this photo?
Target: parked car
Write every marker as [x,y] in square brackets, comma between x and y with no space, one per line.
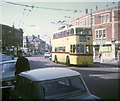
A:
[4,57]
[7,77]
[27,54]
[51,83]
[46,55]
[50,57]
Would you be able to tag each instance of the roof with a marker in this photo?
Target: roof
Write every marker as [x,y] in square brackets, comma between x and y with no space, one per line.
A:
[48,74]
[97,11]
[75,26]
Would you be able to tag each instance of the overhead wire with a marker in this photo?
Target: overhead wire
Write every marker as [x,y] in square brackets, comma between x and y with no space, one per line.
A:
[31,6]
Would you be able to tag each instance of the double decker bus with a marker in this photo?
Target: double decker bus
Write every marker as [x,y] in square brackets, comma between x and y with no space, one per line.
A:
[73,46]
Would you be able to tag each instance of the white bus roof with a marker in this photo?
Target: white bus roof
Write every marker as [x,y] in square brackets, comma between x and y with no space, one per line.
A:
[67,28]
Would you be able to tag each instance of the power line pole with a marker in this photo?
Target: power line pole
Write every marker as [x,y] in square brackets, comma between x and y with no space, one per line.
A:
[91,31]
[91,21]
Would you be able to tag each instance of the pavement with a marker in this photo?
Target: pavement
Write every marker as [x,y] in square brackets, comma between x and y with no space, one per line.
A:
[109,62]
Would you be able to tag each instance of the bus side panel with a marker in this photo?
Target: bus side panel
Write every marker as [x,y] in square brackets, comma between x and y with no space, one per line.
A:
[81,60]
[73,59]
[61,57]
[85,60]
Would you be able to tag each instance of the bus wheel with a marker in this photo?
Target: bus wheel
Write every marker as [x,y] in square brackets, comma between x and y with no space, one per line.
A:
[55,59]
[67,61]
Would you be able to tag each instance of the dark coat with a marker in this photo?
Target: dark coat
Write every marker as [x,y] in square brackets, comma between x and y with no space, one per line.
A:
[22,64]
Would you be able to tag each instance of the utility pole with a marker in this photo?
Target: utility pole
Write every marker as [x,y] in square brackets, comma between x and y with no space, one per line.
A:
[91,31]
[91,21]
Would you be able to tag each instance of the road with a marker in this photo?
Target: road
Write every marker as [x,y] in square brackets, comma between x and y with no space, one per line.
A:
[102,81]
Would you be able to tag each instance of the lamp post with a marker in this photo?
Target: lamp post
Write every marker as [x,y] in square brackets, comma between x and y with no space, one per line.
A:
[119,57]
[91,20]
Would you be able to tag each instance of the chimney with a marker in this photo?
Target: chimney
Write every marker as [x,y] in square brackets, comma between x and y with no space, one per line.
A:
[96,7]
[86,11]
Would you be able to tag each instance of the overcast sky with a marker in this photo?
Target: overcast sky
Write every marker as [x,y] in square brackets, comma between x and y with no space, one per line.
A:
[43,16]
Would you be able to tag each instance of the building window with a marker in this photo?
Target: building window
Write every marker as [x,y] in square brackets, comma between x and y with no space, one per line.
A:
[102,19]
[105,18]
[100,33]
[97,33]
[104,33]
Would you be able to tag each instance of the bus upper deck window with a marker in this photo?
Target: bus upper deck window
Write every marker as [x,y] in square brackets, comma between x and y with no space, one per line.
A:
[67,32]
[72,31]
[78,31]
[55,36]
[88,32]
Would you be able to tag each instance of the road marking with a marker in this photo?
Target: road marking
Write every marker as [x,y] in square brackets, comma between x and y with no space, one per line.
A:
[106,76]
[100,69]
[115,68]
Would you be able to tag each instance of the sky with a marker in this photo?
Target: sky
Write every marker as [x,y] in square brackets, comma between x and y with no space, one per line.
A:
[43,16]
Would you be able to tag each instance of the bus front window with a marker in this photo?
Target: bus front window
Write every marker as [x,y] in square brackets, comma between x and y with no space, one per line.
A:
[79,31]
[83,31]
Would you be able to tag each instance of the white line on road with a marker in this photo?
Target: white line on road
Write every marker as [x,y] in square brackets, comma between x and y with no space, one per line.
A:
[106,76]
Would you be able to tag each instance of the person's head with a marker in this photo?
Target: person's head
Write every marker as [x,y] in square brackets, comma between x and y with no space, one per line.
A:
[19,53]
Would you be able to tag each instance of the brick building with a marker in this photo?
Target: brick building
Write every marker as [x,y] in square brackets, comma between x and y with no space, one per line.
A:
[33,45]
[105,29]
[12,38]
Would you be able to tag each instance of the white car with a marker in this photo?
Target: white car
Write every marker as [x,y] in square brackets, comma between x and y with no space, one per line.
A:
[7,69]
[46,55]
[4,57]
[51,83]
[7,77]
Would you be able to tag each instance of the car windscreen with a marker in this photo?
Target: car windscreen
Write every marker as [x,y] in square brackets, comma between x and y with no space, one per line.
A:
[7,67]
[63,87]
